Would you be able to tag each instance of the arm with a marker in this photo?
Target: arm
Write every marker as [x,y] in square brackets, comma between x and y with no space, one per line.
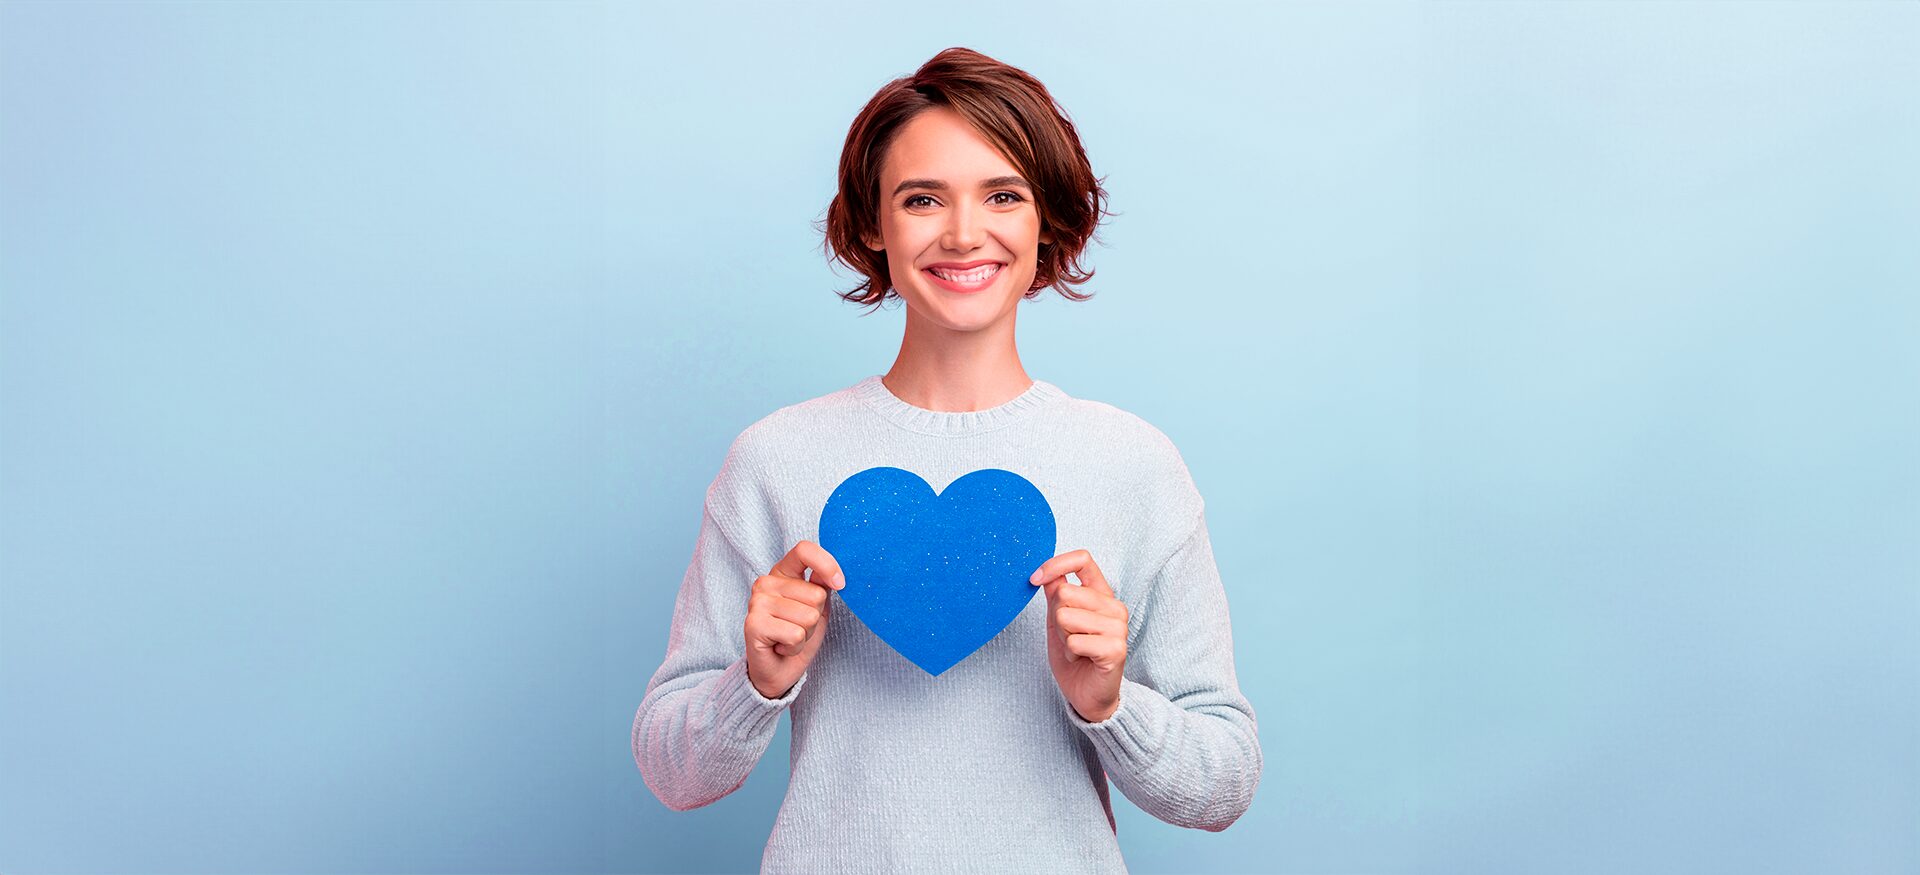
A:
[1183,744]
[702,726]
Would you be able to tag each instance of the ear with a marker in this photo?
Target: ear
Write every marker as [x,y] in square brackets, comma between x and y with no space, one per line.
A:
[1046,236]
[874,243]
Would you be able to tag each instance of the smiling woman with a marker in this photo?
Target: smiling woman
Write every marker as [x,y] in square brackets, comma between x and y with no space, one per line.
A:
[945,716]
[967,153]
[929,225]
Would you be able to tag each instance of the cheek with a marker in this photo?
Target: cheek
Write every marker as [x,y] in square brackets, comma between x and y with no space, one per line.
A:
[1027,232]
[908,237]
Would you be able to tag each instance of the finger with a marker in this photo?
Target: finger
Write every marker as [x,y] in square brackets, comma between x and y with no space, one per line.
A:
[805,591]
[799,613]
[1056,633]
[1057,596]
[1081,620]
[1080,562]
[771,630]
[1100,647]
[805,555]
[1085,597]
[1057,591]
[1058,566]
[1061,593]
[1089,574]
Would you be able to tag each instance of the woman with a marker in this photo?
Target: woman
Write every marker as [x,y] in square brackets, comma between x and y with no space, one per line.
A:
[964,190]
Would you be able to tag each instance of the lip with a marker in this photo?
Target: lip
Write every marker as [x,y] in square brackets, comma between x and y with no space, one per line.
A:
[965,265]
[959,287]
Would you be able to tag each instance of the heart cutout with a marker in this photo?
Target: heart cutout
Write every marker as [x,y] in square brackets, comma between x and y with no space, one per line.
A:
[937,576]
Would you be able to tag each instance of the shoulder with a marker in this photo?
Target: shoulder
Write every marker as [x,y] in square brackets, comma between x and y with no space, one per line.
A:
[777,438]
[1144,470]
[1138,445]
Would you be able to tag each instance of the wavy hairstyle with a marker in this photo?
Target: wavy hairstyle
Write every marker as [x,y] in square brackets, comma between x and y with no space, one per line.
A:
[1014,112]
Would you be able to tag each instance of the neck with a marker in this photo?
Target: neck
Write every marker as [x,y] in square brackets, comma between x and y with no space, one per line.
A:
[960,371]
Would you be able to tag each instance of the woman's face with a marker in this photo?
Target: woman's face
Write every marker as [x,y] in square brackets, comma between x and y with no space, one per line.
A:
[958,223]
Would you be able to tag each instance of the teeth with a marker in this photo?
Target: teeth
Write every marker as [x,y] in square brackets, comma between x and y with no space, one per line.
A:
[969,277]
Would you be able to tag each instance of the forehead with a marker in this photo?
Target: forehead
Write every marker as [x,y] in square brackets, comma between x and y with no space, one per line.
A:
[941,144]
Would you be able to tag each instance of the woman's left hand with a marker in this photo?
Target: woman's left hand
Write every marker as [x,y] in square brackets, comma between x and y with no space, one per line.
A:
[1086,634]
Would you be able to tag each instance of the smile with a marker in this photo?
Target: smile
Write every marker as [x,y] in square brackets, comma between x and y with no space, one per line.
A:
[971,280]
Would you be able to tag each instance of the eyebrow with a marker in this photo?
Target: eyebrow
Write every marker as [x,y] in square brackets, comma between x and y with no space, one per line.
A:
[941,185]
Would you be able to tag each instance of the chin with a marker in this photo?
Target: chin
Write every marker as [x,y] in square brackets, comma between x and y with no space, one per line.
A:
[968,314]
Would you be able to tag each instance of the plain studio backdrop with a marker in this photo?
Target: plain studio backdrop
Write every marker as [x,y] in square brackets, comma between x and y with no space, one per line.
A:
[1551,372]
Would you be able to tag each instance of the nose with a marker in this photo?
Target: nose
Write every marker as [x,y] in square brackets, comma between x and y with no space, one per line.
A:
[965,231]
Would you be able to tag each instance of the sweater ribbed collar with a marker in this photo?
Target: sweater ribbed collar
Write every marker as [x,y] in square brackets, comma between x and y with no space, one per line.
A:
[890,407]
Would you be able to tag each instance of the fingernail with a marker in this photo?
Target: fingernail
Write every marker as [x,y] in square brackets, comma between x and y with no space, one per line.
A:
[839,580]
[1034,578]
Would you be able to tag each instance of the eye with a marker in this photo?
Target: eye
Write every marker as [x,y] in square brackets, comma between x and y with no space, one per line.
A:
[1015,198]
[911,201]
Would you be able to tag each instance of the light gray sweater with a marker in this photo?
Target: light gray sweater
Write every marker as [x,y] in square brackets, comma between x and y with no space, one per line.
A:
[984,768]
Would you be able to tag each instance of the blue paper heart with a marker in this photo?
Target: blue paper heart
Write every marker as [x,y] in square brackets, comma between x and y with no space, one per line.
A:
[937,576]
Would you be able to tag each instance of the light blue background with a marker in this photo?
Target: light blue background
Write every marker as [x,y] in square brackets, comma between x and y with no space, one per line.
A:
[1549,370]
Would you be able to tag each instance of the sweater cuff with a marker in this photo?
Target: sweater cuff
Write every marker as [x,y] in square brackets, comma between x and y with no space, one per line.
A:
[742,709]
[1132,738]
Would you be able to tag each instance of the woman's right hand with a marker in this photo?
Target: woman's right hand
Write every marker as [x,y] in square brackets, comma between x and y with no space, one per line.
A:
[787,618]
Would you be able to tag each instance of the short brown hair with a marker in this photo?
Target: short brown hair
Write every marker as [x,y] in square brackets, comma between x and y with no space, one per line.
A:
[1014,112]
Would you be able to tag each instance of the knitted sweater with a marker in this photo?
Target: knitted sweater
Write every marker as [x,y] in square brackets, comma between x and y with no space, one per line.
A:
[985,767]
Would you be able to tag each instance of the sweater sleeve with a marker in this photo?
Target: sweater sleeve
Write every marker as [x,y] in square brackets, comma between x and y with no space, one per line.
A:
[1183,744]
[702,726]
